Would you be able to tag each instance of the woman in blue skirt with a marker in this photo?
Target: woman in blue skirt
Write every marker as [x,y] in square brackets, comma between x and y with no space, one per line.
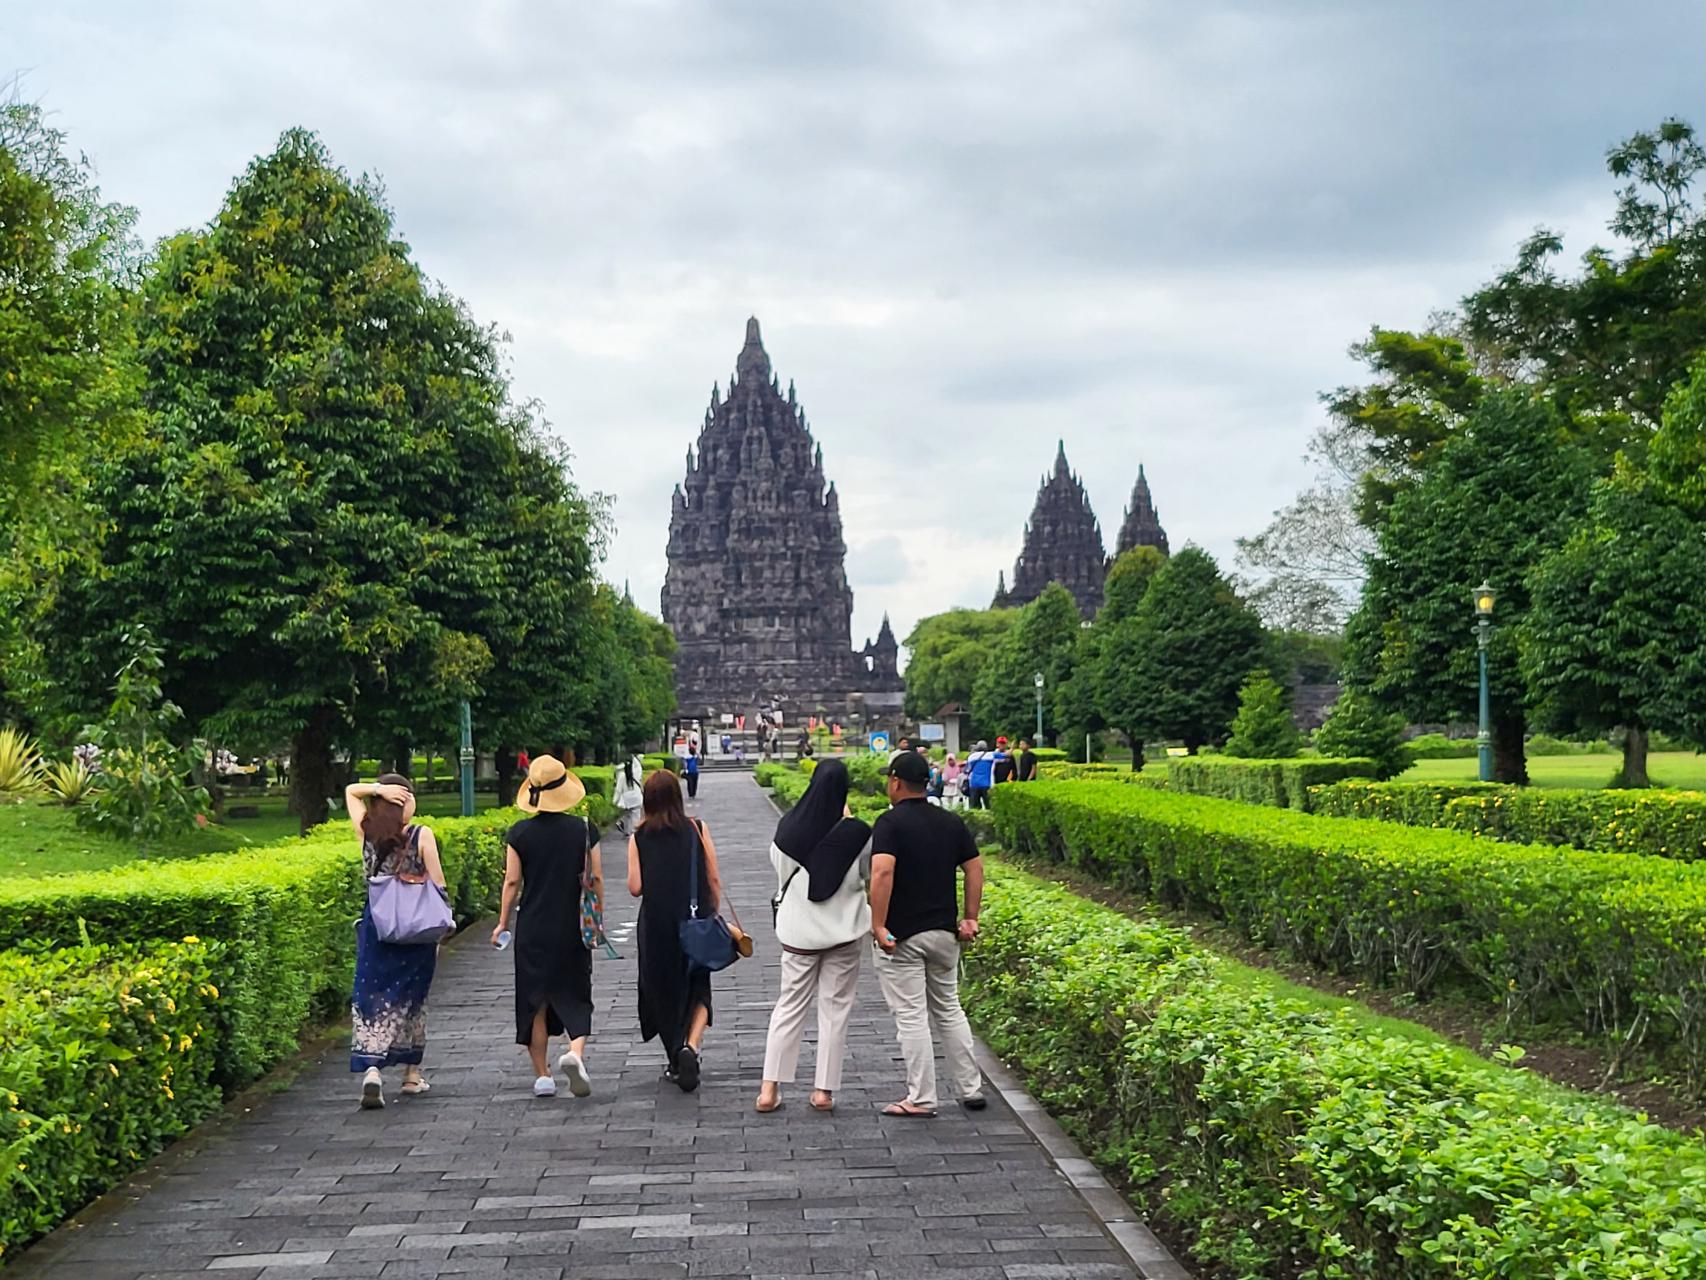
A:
[388,1005]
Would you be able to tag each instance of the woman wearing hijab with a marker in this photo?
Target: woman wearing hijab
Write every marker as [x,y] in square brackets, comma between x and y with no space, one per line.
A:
[548,855]
[822,857]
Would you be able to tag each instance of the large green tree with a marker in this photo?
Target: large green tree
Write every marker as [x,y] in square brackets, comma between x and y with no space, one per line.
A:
[1045,640]
[1495,501]
[68,383]
[337,525]
[947,652]
[1615,636]
[1174,667]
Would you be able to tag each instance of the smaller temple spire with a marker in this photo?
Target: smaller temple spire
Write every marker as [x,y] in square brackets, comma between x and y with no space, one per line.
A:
[716,396]
[1060,466]
[1142,524]
[753,360]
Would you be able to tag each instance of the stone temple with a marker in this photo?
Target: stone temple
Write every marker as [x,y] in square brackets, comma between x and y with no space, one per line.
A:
[756,590]
[1063,540]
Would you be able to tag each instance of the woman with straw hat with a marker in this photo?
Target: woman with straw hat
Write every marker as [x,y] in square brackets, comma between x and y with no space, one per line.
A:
[550,857]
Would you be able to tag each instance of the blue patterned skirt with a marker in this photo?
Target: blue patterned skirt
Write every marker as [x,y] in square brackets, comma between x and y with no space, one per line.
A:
[388,1005]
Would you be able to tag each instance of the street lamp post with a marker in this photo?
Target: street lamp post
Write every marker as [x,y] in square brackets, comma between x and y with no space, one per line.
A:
[466,758]
[1484,599]
[1038,681]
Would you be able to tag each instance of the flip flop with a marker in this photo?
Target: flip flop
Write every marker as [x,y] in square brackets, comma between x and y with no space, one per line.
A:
[815,1106]
[764,1111]
[414,1088]
[908,1111]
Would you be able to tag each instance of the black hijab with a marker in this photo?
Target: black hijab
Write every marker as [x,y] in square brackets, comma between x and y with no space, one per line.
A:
[816,834]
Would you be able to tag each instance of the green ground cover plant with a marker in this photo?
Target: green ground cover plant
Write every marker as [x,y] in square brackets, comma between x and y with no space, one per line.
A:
[1615,943]
[106,1055]
[1282,783]
[1669,824]
[1302,1137]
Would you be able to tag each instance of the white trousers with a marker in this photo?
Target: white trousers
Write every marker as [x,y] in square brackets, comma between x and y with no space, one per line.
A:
[830,978]
[921,983]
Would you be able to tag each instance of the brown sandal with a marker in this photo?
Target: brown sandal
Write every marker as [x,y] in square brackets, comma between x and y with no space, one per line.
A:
[909,1111]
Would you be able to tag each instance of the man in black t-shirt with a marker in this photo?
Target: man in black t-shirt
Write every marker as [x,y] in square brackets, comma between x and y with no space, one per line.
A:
[1027,762]
[917,851]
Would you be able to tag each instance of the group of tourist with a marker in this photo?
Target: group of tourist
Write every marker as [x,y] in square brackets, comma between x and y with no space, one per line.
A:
[959,784]
[842,888]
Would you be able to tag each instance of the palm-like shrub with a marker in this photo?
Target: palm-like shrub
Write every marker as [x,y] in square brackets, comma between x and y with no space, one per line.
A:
[69,782]
[20,764]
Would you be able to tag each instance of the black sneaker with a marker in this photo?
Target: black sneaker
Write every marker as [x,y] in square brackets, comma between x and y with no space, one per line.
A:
[687,1069]
[976,1102]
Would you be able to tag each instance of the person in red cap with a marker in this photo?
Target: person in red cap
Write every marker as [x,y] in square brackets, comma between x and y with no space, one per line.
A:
[1003,768]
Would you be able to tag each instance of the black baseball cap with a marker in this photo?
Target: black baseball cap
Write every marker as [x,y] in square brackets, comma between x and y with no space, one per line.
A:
[911,768]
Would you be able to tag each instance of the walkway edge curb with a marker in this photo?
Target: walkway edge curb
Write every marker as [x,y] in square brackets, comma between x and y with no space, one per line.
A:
[1151,1259]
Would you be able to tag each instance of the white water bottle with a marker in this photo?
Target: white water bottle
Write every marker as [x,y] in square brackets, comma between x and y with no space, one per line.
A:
[504,939]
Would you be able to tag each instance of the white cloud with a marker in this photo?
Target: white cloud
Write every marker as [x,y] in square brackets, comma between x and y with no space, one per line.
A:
[1151,230]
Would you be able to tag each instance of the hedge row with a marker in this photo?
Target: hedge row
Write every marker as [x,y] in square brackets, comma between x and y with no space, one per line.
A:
[106,1054]
[282,915]
[1616,941]
[1062,771]
[1669,824]
[1283,784]
[1285,1138]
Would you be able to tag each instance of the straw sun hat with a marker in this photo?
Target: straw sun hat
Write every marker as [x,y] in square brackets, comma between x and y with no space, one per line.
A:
[550,787]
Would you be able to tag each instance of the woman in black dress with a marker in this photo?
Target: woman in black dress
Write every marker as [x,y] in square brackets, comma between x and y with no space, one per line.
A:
[553,969]
[675,1004]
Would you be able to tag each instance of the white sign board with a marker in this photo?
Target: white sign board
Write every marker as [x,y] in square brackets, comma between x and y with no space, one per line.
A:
[932,732]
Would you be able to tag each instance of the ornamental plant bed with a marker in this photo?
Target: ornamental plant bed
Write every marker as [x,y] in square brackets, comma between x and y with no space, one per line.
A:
[1281,1138]
[1614,943]
[283,915]
[106,1055]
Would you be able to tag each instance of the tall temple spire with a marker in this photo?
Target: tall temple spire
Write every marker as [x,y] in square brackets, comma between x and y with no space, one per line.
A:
[1142,524]
[1063,543]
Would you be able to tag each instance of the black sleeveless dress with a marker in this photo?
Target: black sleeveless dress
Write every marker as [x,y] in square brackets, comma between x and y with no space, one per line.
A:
[668,993]
[553,968]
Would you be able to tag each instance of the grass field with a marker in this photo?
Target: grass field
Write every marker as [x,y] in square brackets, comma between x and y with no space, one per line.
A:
[38,839]
[1667,768]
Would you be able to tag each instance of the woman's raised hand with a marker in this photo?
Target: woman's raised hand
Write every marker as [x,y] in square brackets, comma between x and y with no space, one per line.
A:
[397,795]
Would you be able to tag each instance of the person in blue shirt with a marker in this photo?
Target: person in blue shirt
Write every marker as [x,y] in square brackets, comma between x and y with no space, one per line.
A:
[690,770]
[980,776]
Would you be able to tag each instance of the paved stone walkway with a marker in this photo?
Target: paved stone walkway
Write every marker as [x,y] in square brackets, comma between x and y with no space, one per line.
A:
[640,1180]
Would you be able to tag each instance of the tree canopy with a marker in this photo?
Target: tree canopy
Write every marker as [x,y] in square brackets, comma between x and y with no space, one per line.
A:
[1045,639]
[947,652]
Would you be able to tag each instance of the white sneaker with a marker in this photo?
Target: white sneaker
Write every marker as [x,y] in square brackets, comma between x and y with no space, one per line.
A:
[570,1064]
[372,1090]
[544,1087]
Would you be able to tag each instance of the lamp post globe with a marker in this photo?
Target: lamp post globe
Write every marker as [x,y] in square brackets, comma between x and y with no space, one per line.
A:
[1483,599]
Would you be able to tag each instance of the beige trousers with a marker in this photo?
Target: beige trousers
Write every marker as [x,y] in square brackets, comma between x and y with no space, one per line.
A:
[921,982]
[831,978]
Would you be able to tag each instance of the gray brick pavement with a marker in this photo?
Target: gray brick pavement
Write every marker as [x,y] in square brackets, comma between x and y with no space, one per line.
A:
[639,1180]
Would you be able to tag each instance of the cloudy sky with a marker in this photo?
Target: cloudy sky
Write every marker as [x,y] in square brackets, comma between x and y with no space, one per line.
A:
[1150,229]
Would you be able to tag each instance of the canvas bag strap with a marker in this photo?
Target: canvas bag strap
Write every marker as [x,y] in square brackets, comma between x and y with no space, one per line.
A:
[693,870]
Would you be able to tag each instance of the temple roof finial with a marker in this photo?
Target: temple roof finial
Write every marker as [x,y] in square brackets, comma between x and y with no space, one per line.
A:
[753,359]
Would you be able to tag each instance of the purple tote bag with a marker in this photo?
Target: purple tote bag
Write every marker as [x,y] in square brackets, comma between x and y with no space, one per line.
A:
[407,911]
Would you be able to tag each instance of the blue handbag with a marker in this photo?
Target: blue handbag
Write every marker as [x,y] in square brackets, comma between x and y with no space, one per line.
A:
[707,943]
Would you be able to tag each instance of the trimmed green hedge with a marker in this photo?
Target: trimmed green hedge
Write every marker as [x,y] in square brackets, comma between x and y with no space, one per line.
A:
[106,1054]
[1060,772]
[1416,804]
[1283,784]
[1669,824]
[1616,941]
[1285,1138]
[283,912]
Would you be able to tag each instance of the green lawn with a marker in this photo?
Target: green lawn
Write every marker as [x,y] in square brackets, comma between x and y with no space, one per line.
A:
[38,839]
[1667,768]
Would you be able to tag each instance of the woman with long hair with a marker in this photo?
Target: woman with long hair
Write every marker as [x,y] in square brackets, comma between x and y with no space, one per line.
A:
[822,857]
[388,1003]
[626,795]
[664,856]
[547,857]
